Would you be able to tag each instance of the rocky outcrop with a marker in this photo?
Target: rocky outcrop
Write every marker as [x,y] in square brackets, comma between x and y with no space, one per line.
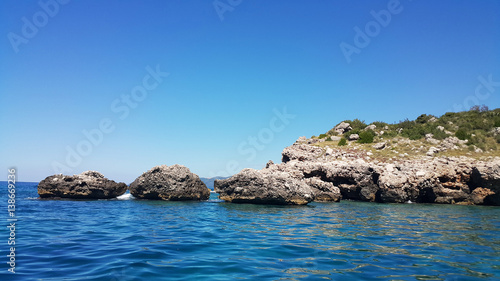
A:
[261,187]
[173,183]
[87,185]
[301,152]
[342,128]
[353,137]
[350,174]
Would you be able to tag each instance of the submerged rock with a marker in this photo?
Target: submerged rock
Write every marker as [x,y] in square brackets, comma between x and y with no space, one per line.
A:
[253,186]
[87,185]
[173,183]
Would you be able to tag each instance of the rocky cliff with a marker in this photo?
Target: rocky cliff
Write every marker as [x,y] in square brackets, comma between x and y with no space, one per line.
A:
[334,173]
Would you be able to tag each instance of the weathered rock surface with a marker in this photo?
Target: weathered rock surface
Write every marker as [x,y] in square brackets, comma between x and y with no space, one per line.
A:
[87,185]
[445,180]
[260,187]
[353,137]
[175,183]
[342,128]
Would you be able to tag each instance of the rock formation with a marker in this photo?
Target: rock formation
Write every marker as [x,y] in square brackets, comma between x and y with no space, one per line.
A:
[169,183]
[87,185]
[448,180]
[332,174]
[264,187]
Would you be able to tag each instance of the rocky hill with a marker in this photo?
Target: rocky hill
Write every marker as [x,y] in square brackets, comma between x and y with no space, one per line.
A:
[474,133]
[452,159]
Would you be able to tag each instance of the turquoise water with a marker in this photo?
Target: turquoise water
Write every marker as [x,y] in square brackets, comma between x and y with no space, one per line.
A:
[151,240]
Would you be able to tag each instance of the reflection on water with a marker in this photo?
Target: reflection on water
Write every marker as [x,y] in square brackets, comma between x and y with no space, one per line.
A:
[214,240]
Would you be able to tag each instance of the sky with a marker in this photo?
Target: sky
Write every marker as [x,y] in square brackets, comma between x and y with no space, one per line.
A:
[218,86]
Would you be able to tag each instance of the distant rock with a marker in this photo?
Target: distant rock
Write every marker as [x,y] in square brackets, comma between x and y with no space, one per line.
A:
[495,131]
[342,128]
[379,146]
[301,139]
[451,143]
[370,127]
[335,138]
[173,183]
[432,150]
[353,137]
[258,187]
[209,182]
[301,152]
[430,138]
[87,185]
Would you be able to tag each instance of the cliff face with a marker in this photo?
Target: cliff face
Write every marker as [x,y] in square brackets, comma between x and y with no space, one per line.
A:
[425,179]
[332,174]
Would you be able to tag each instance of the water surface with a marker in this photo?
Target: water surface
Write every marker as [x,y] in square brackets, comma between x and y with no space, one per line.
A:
[213,240]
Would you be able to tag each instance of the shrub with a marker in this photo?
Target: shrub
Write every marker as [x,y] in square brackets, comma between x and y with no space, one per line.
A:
[322,136]
[439,135]
[497,122]
[414,133]
[366,136]
[462,134]
[424,118]
[389,134]
[406,124]
[380,125]
[342,142]
[356,124]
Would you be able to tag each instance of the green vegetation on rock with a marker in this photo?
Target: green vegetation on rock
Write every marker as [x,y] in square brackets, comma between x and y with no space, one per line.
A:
[477,129]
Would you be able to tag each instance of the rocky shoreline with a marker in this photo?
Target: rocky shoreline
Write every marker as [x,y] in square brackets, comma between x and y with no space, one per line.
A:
[307,173]
[344,173]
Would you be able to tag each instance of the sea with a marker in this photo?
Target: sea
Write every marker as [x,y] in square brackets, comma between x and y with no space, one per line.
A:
[129,239]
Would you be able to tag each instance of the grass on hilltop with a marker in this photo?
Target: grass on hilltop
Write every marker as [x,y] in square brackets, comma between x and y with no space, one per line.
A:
[476,126]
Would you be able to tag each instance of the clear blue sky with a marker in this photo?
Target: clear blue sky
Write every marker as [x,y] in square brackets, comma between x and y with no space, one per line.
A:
[230,69]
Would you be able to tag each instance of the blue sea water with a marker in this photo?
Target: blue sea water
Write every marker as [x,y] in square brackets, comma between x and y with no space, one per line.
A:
[213,240]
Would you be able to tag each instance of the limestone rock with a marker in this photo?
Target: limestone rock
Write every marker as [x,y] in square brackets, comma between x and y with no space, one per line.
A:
[342,128]
[370,127]
[432,150]
[253,186]
[495,131]
[173,183]
[87,185]
[301,152]
[379,146]
[323,191]
[353,137]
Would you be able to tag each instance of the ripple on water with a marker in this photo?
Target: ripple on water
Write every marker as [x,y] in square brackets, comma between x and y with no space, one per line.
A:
[152,240]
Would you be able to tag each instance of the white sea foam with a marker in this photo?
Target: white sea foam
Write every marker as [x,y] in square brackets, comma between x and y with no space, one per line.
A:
[126,196]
